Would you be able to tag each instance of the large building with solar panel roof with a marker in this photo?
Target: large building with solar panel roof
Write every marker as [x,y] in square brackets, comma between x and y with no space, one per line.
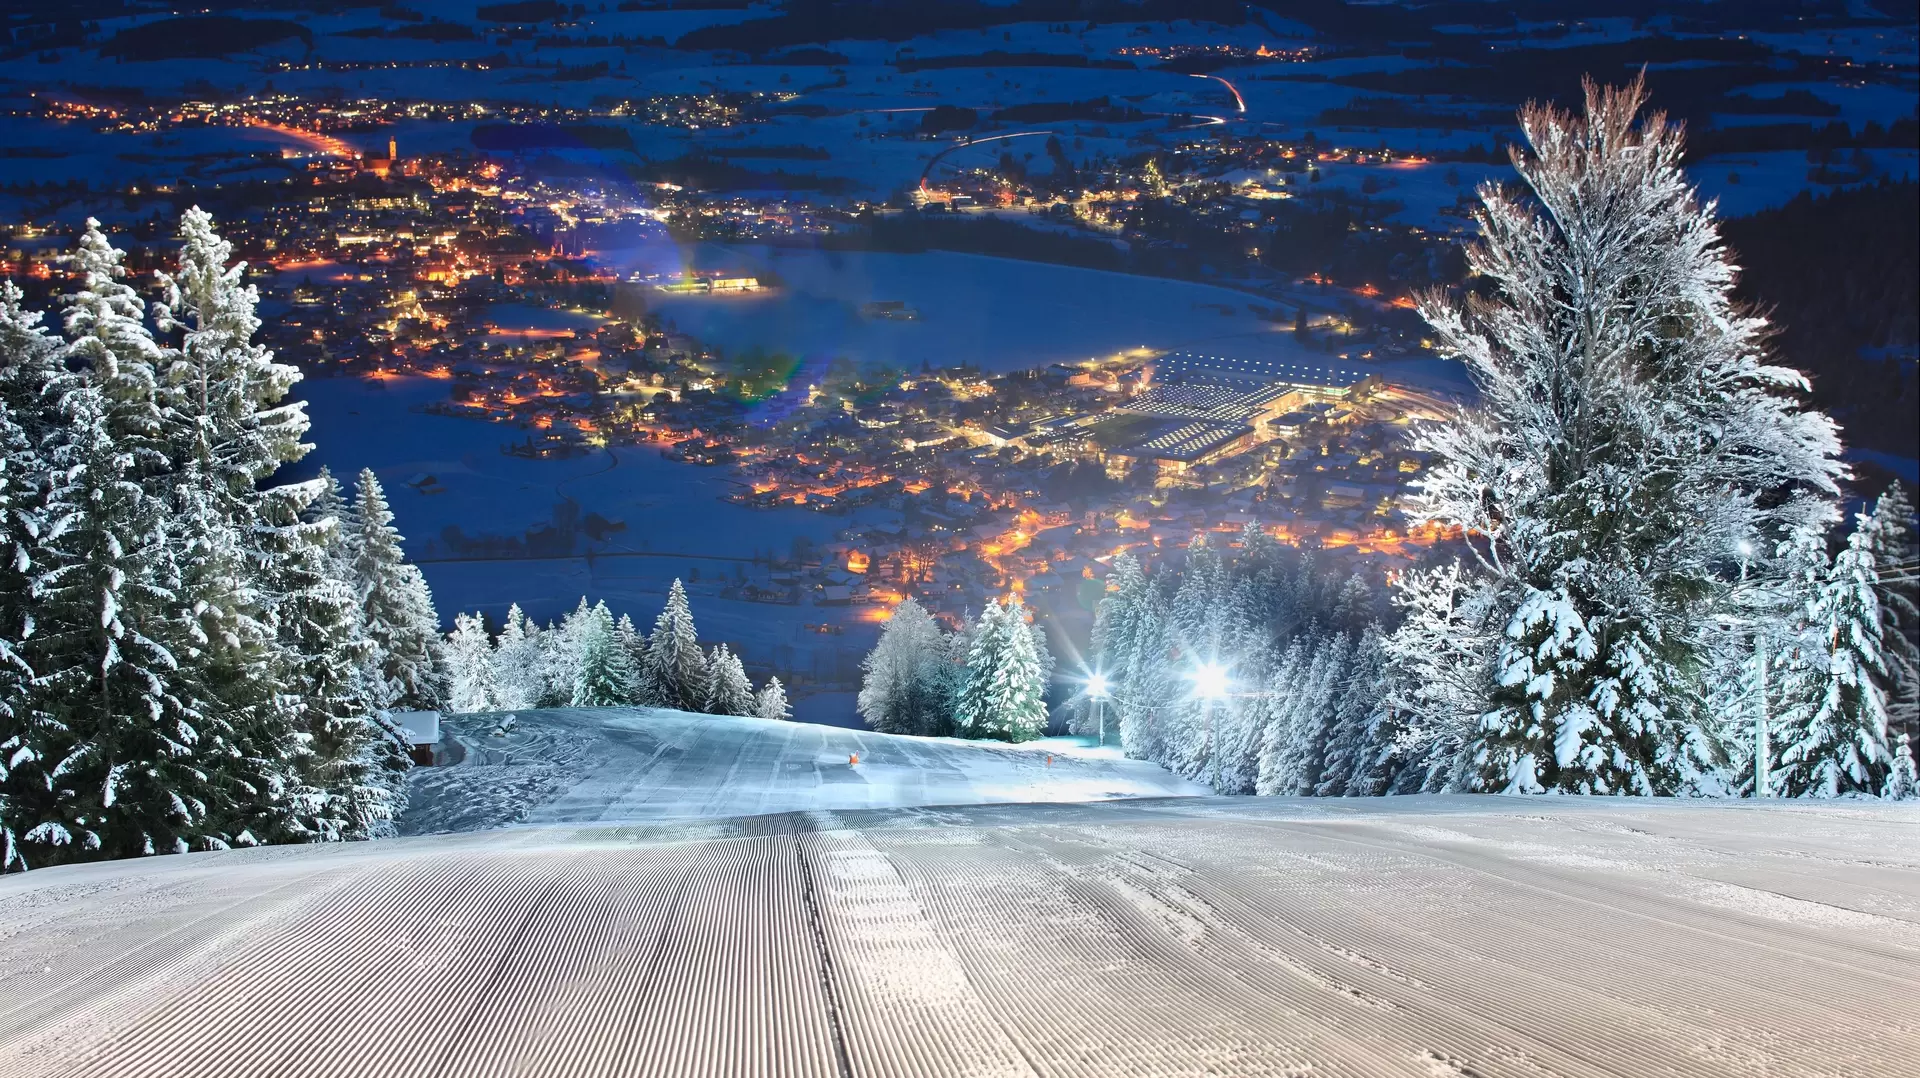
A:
[1209,407]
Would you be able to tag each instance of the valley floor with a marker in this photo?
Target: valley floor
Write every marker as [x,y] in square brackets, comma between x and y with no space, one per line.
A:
[1422,937]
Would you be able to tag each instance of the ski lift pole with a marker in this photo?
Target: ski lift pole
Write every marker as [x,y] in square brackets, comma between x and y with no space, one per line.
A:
[1761,749]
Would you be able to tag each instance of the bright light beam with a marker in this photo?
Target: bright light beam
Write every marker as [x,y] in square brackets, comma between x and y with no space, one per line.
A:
[1210,681]
[1097,687]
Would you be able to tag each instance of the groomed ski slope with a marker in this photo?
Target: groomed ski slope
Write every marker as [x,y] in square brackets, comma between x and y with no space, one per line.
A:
[1418,937]
[618,765]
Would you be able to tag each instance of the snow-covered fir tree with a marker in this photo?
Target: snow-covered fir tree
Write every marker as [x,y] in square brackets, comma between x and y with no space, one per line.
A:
[201,663]
[1832,728]
[123,764]
[771,701]
[898,689]
[605,675]
[675,673]
[891,694]
[1293,744]
[1005,696]
[26,358]
[516,661]
[353,761]
[396,609]
[1903,775]
[728,690]
[472,682]
[1898,591]
[1628,440]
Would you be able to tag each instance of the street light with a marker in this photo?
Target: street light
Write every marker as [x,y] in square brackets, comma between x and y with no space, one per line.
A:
[1097,691]
[1210,684]
[1762,749]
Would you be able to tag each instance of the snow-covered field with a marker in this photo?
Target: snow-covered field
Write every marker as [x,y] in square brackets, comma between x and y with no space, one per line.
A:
[1416,937]
[629,765]
[998,314]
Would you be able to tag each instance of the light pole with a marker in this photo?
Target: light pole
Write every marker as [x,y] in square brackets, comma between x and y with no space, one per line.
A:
[1097,692]
[1210,684]
[1762,747]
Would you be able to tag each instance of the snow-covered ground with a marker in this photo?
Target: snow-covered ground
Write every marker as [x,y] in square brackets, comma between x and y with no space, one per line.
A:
[1415,937]
[627,765]
[998,314]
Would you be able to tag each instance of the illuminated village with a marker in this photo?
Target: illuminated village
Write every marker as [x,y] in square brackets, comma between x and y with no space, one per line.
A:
[459,268]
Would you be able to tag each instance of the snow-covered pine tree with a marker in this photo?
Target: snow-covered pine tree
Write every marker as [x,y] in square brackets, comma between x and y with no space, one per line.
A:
[728,690]
[894,696]
[516,661]
[352,761]
[676,669]
[1306,756]
[396,609]
[228,426]
[233,670]
[27,356]
[604,676]
[1353,607]
[1903,777]
[1893,553]
[1627,440]
[771,701]
[1349,755]
[123,763]
[472,682]
[1833,722]
[1280,701]
[1005,693]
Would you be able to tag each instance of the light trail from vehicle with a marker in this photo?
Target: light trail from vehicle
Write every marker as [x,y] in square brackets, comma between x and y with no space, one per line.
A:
[1239,103]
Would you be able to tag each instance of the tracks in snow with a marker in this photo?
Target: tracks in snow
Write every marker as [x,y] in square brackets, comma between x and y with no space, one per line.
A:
[1407,937]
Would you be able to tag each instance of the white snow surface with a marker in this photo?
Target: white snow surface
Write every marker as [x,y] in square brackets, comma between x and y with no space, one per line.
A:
[625,765]
[1411,937]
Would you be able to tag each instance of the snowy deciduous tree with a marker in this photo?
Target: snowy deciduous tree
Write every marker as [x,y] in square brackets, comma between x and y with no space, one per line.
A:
[728,690]
[675,674]
[771,701]
[1005,692]
[1627,440]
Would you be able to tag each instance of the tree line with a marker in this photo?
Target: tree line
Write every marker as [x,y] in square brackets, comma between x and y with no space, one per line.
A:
[189,658]
[589,659]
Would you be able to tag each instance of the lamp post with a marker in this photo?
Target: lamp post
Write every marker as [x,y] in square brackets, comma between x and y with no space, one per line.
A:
[1097,692]
[1210,684]
[1762,747]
